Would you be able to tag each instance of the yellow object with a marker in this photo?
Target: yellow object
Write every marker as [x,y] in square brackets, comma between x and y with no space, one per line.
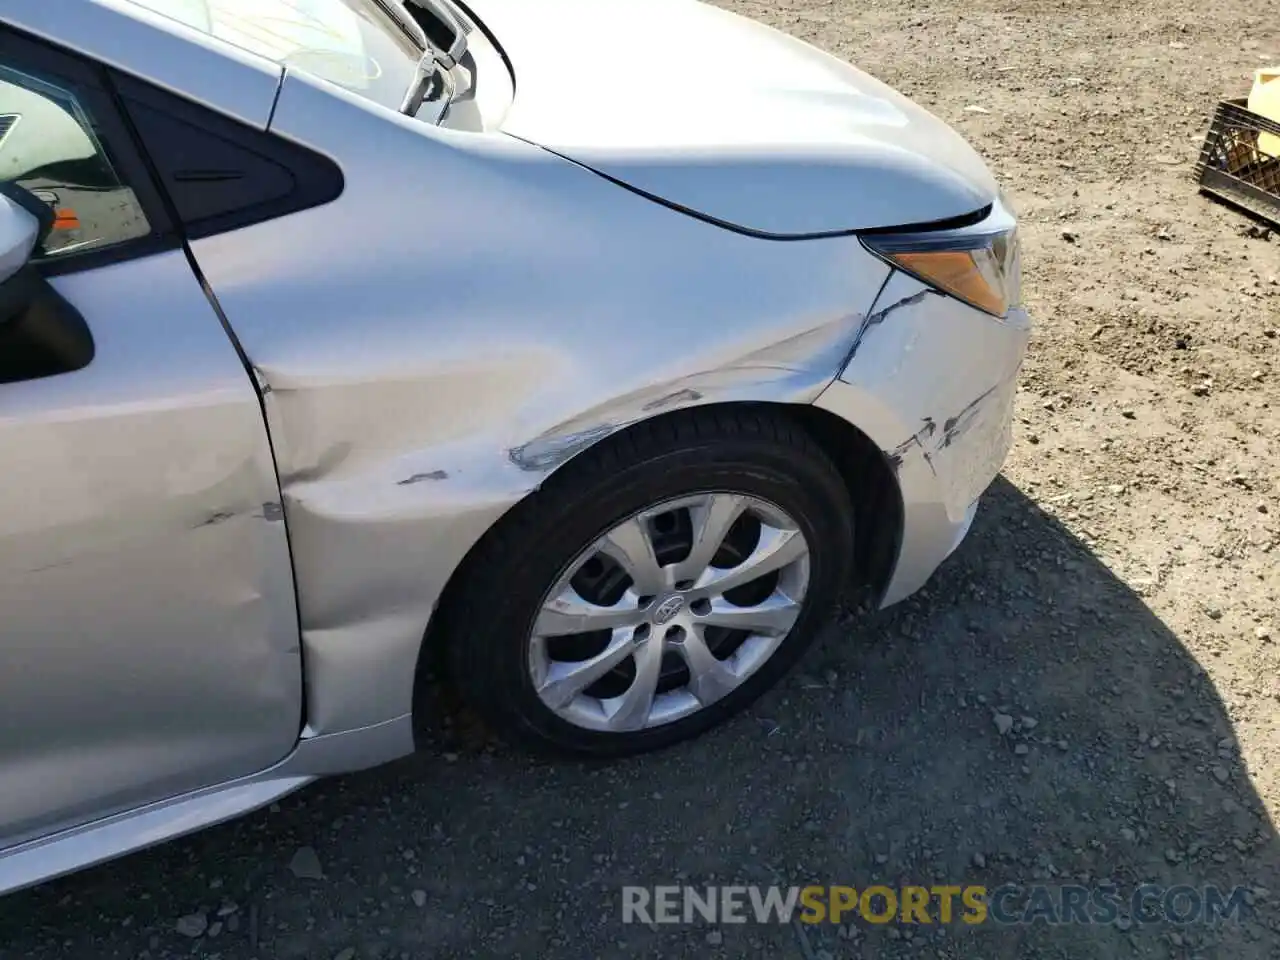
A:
[1264,100]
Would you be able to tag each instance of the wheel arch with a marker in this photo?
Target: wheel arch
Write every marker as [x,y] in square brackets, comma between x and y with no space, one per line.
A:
[867,473]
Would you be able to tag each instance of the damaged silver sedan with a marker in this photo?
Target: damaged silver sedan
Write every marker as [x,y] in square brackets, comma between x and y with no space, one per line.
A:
[335,336]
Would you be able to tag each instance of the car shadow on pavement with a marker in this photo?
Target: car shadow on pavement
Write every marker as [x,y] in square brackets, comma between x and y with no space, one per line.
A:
[1025,720]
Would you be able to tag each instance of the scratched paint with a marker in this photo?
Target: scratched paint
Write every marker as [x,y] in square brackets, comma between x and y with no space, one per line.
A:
[935,430]
[418,392]
[422,477]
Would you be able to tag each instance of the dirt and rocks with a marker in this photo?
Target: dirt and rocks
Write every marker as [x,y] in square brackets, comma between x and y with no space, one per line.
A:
[1088,691]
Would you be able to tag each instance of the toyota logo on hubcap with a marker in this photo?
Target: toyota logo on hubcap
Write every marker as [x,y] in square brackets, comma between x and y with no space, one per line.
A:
[667,609]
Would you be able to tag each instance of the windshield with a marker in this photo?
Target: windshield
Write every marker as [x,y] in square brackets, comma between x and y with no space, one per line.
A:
[353,43]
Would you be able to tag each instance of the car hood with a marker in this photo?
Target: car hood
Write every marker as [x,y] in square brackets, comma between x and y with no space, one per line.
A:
[728,118]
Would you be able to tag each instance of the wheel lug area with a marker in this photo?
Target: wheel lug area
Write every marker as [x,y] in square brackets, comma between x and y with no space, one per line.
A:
[675,635]
[641,633]
[701,607]
[644,602]
[684,584]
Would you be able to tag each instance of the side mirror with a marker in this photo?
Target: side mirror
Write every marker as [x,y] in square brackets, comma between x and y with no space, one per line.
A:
[20,231]
[41,334]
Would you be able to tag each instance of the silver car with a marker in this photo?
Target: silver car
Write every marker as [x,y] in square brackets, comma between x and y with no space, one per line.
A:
[595,345]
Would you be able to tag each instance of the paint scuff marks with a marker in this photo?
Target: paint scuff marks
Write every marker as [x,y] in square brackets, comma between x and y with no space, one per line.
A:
[879,316]
[547,452]
[955,426]
[930,441]
[214,519]
[422,477]
[680,397]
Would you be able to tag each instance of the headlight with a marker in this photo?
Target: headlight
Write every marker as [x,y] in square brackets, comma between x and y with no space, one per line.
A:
[980,265]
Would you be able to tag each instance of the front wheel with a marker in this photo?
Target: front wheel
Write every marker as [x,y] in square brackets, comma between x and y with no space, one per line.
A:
[658,584]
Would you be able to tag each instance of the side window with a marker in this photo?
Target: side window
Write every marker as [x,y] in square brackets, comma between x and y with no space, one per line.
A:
[52,145]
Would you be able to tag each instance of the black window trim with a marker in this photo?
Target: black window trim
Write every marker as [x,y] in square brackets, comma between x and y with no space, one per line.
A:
[90,84]
[106,94]
[316,178]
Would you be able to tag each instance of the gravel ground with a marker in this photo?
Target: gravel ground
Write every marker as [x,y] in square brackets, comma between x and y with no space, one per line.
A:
[1118,592]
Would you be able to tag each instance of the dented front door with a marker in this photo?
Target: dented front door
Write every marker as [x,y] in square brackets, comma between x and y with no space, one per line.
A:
[148,635]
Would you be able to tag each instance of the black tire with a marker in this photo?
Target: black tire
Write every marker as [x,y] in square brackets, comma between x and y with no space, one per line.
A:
[747,450]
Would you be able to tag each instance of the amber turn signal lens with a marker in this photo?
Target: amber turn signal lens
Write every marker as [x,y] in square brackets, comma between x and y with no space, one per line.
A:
[958,273]
[980,264]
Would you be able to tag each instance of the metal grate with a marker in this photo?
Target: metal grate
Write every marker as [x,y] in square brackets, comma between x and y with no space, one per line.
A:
[1232,168]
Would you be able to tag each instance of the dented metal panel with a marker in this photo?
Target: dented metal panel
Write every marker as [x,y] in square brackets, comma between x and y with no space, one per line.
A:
[946,426]
[149,629]
[485,312]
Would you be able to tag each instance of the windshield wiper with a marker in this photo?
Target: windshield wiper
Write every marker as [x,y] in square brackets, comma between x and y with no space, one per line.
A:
[435,65]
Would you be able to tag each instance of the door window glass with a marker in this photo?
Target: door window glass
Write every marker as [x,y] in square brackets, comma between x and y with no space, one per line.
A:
[50,146]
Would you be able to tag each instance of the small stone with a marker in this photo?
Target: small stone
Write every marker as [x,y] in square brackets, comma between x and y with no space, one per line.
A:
[1004,723]
[715,938]
[450,758]
[1262,633]
[979,861]
[1022,749]
[882,858]
[1220,774]
[346,953]
[1129,414]
[305,865]
[1213,613]
[419,898]
[976,109]
[1070,236]
[1172,855]
[1123,923]
[227,909]
[1127,834]
[193,925]
[215,928]
[1029,723]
